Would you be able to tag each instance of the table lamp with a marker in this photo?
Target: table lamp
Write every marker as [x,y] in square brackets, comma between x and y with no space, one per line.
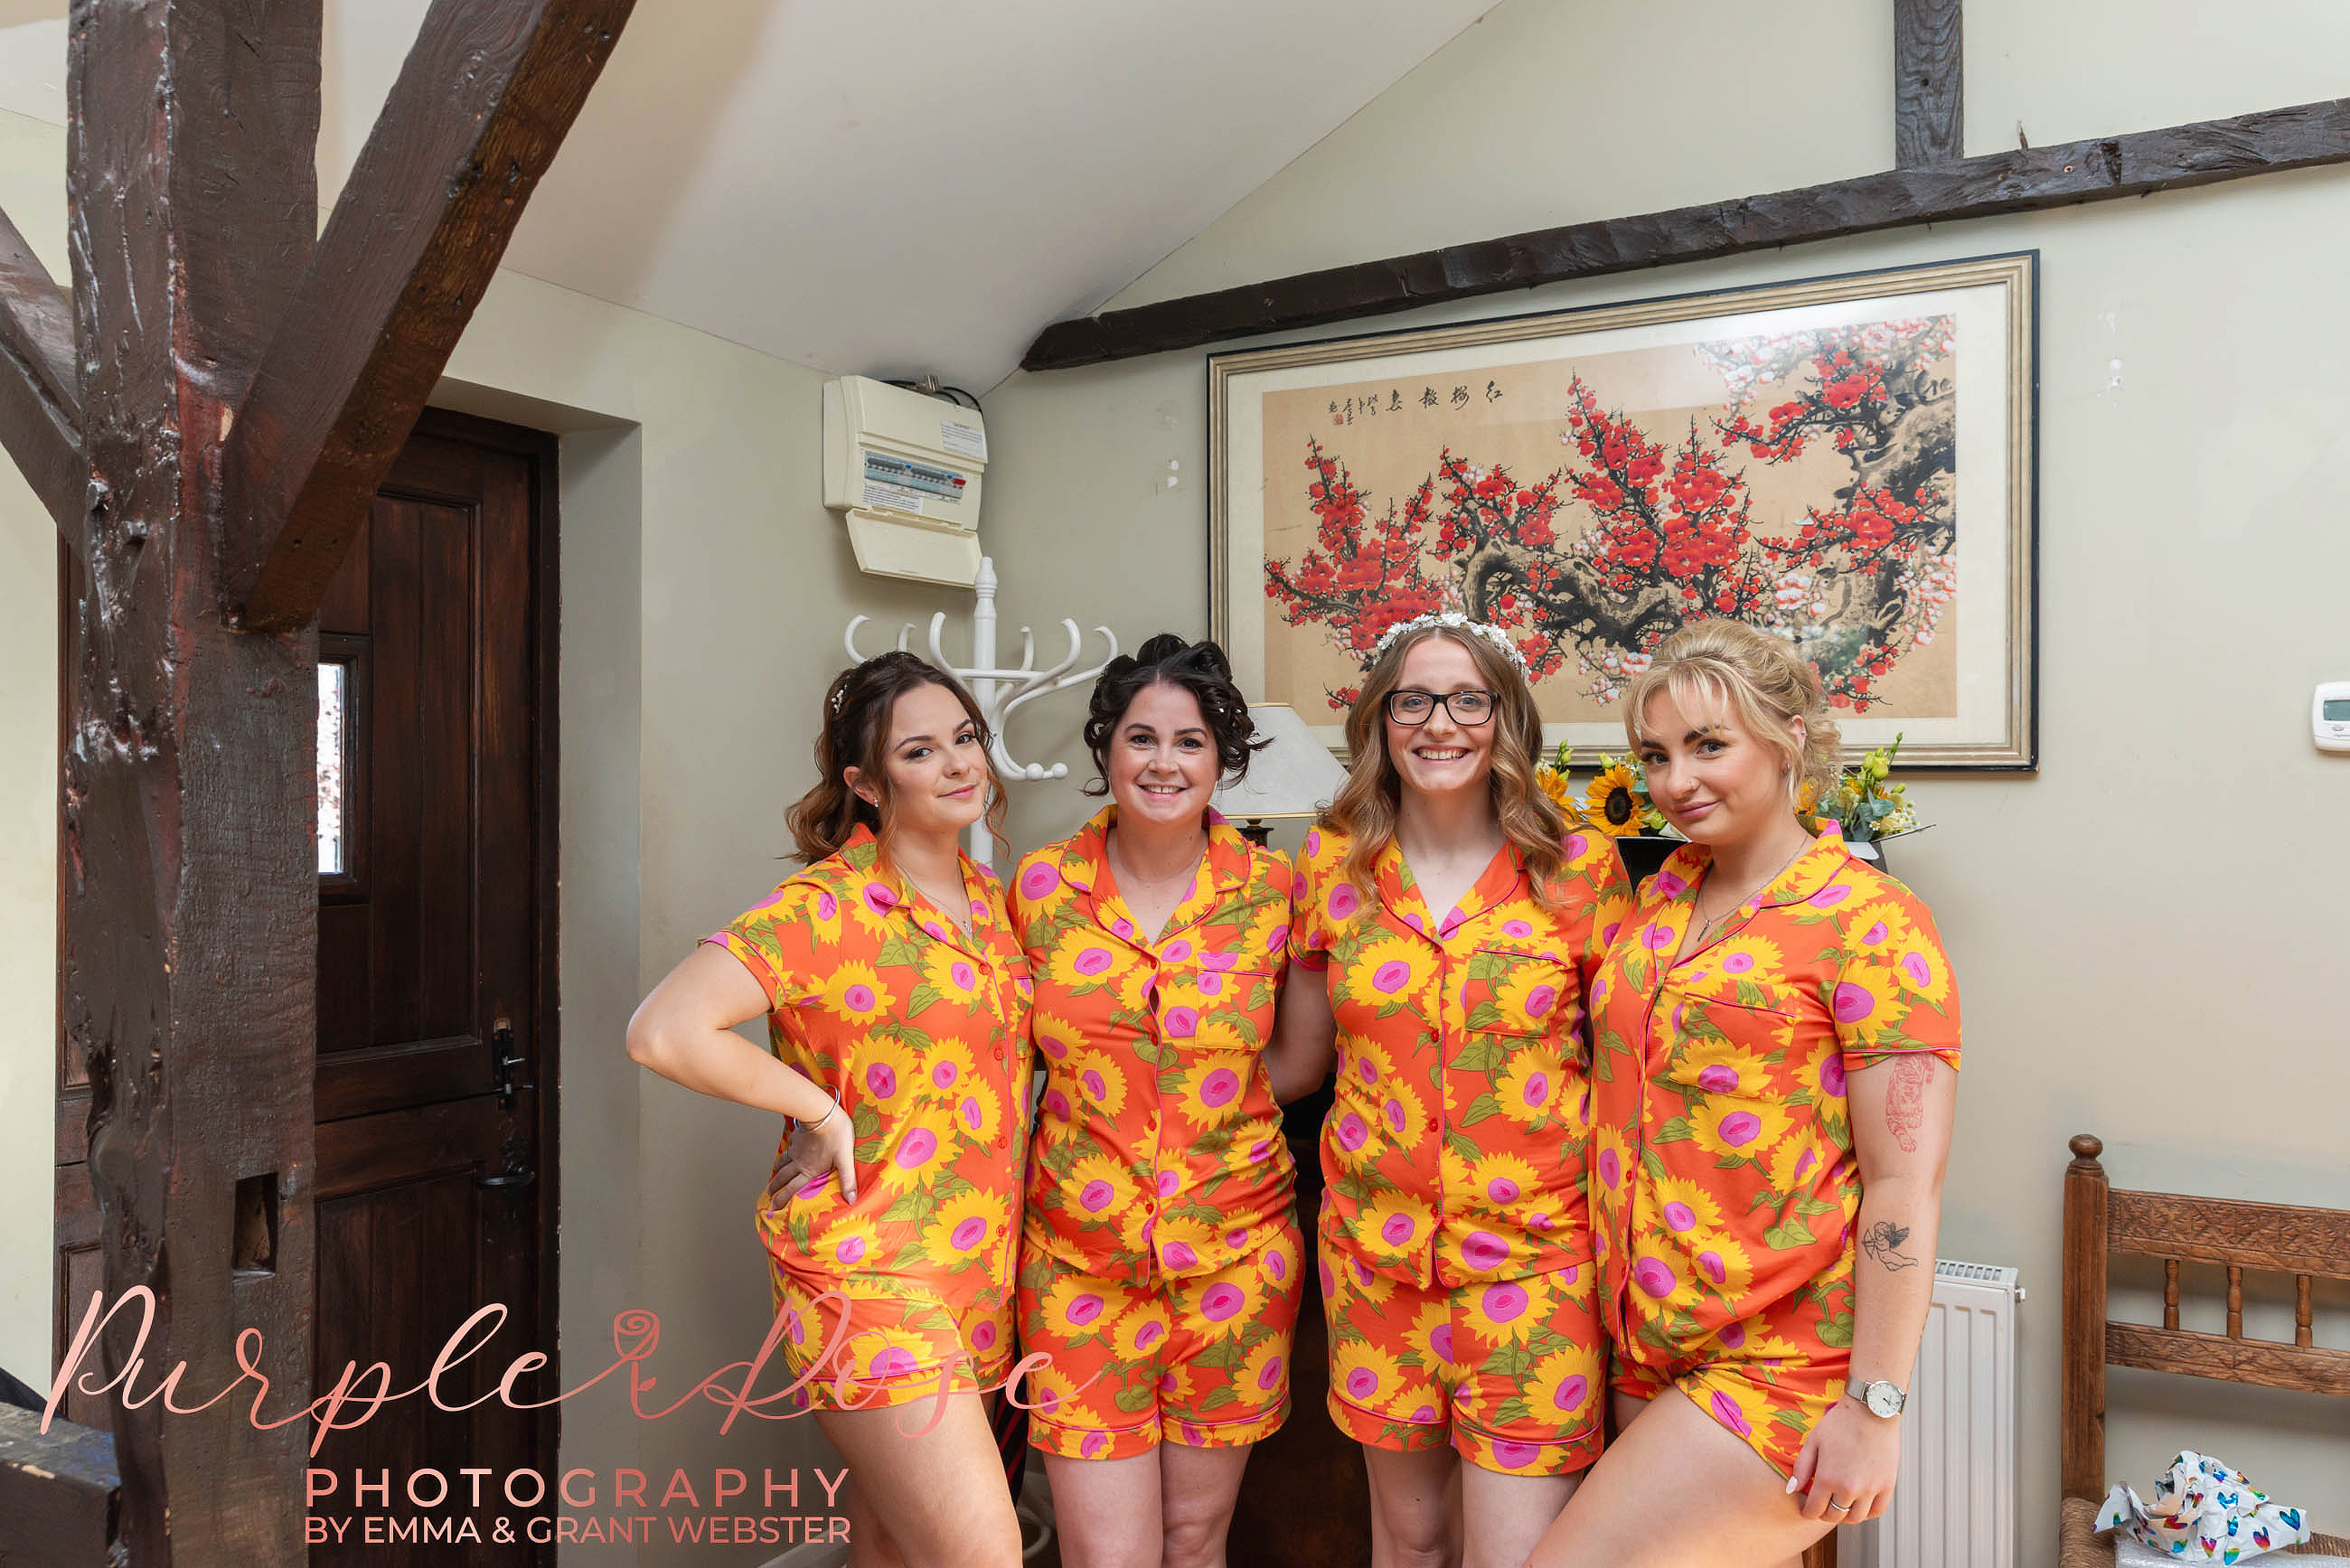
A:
[1295,776]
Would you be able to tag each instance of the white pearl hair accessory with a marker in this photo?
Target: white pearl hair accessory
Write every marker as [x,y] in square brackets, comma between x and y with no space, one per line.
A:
[1456,621]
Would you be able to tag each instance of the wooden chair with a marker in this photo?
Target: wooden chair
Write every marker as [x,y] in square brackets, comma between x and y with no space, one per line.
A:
[2276,1238]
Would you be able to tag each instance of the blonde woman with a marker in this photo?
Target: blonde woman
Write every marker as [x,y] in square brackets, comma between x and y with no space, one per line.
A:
[1776,1034]
[1447,916]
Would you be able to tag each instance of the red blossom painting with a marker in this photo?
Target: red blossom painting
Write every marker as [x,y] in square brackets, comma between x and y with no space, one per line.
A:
[1643,525]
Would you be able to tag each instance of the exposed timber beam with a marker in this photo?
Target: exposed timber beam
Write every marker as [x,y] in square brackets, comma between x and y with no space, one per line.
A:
[40,405]
[61,1494]
[187,950]
[480,108]
[2138,164]
[1928,99]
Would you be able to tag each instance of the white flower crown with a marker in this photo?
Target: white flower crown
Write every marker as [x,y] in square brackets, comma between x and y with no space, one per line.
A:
[1454,620]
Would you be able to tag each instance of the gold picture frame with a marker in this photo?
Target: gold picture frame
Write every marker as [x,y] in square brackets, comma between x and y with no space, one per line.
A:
[1799,455]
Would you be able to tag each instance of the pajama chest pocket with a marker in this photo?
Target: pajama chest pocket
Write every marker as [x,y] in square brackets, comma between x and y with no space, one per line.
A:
[1735,1045]
[1213,1011]
[1514,994]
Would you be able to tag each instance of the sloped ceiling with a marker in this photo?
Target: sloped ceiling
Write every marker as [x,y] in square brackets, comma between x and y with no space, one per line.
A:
[886,186]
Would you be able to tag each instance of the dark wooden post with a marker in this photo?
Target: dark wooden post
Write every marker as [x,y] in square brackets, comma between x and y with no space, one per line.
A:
[2083,1414]
[191,902]
[1927,106]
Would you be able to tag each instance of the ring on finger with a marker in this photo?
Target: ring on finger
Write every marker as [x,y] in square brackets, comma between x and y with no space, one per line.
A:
[1840,1507]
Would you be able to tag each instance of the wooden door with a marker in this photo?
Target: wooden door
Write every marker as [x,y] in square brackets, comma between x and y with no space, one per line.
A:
[436,1152]
[436,1156]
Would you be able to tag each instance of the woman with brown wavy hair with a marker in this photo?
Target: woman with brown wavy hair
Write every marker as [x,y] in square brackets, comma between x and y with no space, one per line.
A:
[897,1005]
[1452,915]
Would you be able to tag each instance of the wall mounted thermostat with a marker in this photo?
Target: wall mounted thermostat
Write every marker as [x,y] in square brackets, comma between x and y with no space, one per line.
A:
[2329,716]
[904,471]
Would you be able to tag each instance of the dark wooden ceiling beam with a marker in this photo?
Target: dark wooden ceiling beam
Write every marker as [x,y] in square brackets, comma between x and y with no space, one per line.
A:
[481,106]
[1928,73]
[40,405]
[2303,137]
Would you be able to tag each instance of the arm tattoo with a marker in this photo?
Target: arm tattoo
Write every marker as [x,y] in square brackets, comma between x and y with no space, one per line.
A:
[1883,1242]
[1905,1098]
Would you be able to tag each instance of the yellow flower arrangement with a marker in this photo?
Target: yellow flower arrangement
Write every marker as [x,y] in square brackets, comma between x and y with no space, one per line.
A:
[1611,805]
[1555,784]
[1616,802]
[1864,802]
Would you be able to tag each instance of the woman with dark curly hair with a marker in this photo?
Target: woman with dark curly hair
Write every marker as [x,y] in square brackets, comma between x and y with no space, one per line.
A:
[897,1005]
[1158,1258]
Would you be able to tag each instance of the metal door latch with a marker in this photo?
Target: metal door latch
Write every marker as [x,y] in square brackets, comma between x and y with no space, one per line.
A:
[503,1060]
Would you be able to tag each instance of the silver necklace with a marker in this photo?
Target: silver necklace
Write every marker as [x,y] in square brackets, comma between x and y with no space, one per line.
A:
[1705,931]
[947,906]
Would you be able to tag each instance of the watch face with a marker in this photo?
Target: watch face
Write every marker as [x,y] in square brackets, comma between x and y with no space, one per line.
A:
[1884,1399]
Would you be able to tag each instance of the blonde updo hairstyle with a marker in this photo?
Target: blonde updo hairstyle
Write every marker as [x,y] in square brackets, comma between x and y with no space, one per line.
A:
[1365,805]
[1764,684]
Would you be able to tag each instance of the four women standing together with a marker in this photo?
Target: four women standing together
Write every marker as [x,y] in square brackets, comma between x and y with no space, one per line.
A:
[1629,1198]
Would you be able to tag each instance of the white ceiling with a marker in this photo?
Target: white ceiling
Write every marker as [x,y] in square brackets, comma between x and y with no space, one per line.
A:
[886,186]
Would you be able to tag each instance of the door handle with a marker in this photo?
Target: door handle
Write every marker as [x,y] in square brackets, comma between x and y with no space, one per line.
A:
[518,1172]
[503,1060]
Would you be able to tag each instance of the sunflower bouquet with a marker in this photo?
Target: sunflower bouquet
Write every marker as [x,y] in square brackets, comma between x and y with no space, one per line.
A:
[1616,801]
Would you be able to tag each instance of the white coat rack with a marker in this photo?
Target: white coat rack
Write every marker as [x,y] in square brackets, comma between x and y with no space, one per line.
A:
[999,691]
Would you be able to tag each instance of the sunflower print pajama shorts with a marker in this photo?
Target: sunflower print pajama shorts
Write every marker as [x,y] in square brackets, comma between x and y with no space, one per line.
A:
[882,1346]
[1511,1374]
[1202,1361]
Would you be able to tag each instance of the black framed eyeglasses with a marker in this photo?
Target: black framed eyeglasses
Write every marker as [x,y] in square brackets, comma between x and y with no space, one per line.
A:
[1410,706]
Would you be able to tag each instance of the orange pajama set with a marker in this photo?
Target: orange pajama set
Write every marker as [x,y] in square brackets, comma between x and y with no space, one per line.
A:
[1159,1256]
[1724,1189]
[1457,1270]
[922,1035]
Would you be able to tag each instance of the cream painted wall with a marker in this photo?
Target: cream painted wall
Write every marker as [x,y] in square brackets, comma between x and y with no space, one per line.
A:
[2148,933]
[32,191]
[703,588]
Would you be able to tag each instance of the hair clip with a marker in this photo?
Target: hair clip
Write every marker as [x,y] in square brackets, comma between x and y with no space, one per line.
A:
[1452,620]
[840,695]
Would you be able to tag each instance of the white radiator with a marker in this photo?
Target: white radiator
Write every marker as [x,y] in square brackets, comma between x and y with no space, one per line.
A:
[1954,1506]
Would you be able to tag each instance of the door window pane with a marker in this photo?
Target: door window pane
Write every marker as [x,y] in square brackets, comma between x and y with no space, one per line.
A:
[334,689]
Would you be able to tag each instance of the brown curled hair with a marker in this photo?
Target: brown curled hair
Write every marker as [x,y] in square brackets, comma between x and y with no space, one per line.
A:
[855,735]
[1199,668]
[1367,803]
[1762,683]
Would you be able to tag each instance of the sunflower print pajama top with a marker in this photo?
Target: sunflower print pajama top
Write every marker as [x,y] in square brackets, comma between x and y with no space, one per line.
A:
[1456,1261]
[922,1035]
[1159,1255]
[1724,1189]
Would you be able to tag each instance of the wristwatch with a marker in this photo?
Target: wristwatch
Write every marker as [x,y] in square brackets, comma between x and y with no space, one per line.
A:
[1879,1399]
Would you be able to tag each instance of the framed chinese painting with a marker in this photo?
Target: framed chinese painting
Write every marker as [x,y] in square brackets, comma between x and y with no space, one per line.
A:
[1848,463]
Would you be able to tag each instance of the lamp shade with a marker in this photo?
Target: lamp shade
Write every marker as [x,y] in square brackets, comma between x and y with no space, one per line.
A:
[1294,776]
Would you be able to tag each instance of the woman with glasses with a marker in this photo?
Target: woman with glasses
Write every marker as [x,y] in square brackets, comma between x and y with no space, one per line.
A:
[1447,919]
